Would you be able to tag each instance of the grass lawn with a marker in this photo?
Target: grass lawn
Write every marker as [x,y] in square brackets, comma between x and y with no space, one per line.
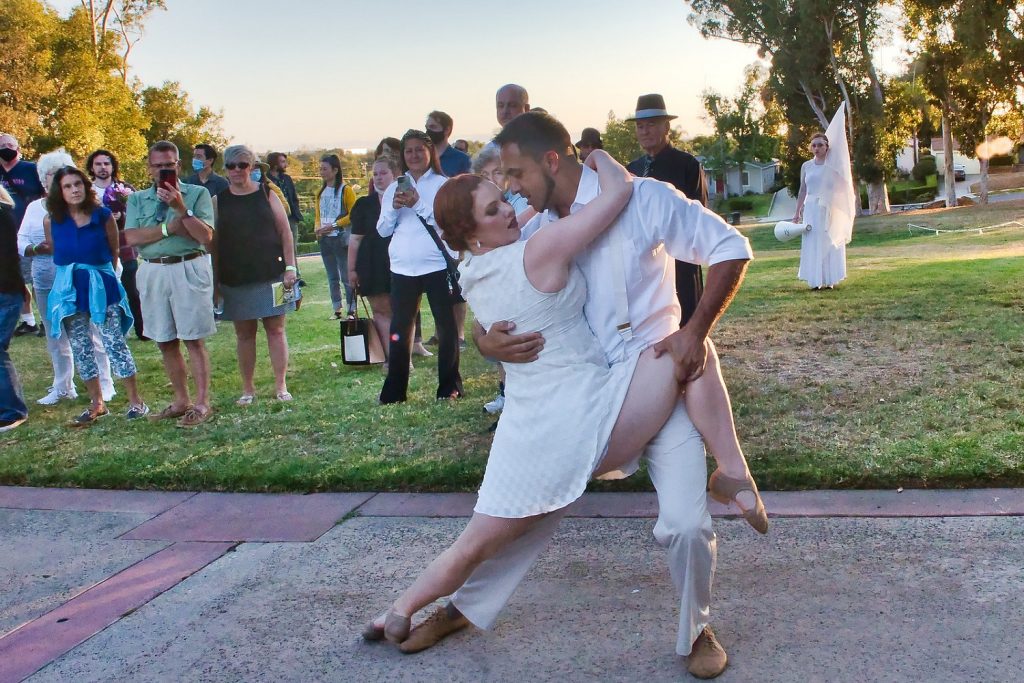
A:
[909,374]
[762,205]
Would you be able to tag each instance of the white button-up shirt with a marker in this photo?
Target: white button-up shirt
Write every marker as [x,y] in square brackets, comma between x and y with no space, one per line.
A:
[658,225]
[412,250]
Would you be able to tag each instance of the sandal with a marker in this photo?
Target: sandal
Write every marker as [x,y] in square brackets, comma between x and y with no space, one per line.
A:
[284,396]
[396,627]
[168,413]
[194,417]
[245,400]
[724,489]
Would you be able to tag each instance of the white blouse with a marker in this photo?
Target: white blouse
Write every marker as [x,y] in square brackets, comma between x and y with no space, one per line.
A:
[412,250]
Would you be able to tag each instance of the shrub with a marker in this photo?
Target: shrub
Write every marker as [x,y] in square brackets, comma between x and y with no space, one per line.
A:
[924,167]
[741,204]
[1001,160]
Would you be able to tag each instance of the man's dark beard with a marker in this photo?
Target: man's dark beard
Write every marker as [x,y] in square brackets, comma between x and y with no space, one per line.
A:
[549,186]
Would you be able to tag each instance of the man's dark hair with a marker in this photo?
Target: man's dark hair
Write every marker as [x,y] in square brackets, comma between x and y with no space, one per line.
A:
[163,146]
[536,133]
[447,123]
[208,150]
[115,173]
[273,158]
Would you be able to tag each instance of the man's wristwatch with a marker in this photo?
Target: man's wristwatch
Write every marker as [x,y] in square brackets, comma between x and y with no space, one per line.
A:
[188,212]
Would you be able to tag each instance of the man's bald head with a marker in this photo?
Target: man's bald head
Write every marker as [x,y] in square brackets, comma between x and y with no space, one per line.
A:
[510,101]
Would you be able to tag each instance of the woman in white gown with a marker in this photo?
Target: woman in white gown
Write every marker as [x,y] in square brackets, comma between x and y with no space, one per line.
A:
[568,416]
[827,203]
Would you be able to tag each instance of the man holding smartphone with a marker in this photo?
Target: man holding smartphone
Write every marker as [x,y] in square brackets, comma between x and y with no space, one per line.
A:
[171,223]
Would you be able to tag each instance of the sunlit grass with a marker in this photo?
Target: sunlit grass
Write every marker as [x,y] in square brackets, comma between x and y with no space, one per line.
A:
[910,373]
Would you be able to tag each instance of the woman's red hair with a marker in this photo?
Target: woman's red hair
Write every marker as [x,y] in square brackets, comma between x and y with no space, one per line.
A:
[453,210]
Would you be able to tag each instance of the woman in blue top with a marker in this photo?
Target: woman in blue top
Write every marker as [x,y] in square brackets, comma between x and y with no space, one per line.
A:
[83,238]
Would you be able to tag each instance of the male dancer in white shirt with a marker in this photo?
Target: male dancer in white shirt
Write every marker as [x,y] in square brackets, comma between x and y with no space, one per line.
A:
[631,304]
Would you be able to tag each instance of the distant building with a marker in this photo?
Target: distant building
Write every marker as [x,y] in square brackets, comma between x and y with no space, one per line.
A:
[905,159]
[757,177]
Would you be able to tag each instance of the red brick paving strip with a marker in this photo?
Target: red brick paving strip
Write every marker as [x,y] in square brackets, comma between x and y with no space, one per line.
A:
[259,517]
[90,500]
[30,647]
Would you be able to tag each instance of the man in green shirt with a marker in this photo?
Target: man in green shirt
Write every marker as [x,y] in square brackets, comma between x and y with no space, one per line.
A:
[172,227]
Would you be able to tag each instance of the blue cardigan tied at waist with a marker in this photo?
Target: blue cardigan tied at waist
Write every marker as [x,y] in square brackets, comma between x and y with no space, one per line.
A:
[62,301]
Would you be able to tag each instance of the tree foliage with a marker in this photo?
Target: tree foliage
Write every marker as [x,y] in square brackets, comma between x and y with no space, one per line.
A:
[63,83]
[821,53]
[973,54]
[747,126]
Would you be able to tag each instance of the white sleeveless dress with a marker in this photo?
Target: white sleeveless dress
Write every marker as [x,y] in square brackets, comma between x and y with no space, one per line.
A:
[822,264]
[560,409]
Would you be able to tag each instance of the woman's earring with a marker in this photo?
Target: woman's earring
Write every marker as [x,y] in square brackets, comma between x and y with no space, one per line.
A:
[478,244]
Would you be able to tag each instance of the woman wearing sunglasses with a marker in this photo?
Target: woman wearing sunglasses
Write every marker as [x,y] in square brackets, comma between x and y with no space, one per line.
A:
[254,266]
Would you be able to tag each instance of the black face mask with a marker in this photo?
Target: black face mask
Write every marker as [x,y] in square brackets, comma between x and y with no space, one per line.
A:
[436,136]
[8,154]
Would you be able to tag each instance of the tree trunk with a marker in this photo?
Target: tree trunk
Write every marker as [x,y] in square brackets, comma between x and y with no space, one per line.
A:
[947,157]
[878,198]
[983,194]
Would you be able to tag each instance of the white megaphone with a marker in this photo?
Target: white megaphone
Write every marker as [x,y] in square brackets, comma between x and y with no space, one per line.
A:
[787,230]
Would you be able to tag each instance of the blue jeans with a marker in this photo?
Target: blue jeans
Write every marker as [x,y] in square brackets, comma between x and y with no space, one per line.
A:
[334,253]
[12,402]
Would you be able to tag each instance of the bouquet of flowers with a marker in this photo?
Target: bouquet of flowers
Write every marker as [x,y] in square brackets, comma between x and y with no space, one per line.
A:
[115,197]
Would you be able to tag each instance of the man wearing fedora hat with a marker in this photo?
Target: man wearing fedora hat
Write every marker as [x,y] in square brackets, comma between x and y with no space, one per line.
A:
[664,162]
[588,142]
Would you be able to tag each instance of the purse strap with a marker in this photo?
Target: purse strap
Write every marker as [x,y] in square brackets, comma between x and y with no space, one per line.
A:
[449,262]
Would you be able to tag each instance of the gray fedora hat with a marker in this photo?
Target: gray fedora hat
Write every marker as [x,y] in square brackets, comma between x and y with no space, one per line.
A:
[651,107]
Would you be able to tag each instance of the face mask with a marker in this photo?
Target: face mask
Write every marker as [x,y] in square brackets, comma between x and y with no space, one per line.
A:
[256,175]
[197,165]
[436,136]
[8,154]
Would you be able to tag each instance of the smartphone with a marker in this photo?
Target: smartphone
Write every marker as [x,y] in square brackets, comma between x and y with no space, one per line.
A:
[404,184]
[168,176]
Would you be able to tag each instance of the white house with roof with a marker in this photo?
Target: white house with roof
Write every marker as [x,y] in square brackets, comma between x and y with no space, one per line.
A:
[905,159]
[757,177]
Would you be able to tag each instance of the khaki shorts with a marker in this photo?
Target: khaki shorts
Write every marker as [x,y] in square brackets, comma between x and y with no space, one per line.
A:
[177,299]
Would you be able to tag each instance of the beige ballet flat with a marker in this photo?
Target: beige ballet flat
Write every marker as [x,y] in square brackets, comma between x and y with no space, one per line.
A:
[396,627]
[724,489]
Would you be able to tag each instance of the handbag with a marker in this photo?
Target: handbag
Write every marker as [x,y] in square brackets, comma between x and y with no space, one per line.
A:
[450,266]
[360,343]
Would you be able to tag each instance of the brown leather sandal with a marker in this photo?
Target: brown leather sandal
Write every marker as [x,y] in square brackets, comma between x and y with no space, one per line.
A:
[724,489]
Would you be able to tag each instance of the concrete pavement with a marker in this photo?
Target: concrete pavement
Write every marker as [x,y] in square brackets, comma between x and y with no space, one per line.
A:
[858,586]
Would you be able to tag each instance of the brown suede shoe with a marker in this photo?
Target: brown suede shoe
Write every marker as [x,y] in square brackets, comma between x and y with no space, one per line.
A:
[707,658]
[442,623]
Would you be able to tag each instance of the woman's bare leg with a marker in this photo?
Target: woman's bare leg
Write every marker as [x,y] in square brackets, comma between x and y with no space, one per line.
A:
[651,398]
[707,404]
[482,538]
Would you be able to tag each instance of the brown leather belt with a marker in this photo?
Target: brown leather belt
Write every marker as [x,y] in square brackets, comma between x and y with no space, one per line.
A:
[175,259]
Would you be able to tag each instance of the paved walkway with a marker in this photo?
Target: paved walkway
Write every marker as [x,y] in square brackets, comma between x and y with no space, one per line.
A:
[157,586]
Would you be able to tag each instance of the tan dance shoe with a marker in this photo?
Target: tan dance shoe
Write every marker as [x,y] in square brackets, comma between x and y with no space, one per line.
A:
[396,627]
[707,659]
[442,623]
[724,489]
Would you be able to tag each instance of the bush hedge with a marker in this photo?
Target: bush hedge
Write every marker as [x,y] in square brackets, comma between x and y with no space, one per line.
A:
[924,167]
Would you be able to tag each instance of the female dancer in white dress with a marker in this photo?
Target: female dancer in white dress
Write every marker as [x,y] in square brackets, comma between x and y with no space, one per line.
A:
[568,416]
[826,202]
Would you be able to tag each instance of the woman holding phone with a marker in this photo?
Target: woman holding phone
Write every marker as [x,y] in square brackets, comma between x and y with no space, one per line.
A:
[417,267]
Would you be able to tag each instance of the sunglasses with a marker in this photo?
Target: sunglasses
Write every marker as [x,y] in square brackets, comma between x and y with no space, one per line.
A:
[241,164]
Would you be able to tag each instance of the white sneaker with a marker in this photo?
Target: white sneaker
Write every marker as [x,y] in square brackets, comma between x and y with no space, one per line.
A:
[53,397]
[495,406]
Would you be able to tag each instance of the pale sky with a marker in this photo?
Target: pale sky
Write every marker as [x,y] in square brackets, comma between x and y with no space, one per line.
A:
[357,71]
